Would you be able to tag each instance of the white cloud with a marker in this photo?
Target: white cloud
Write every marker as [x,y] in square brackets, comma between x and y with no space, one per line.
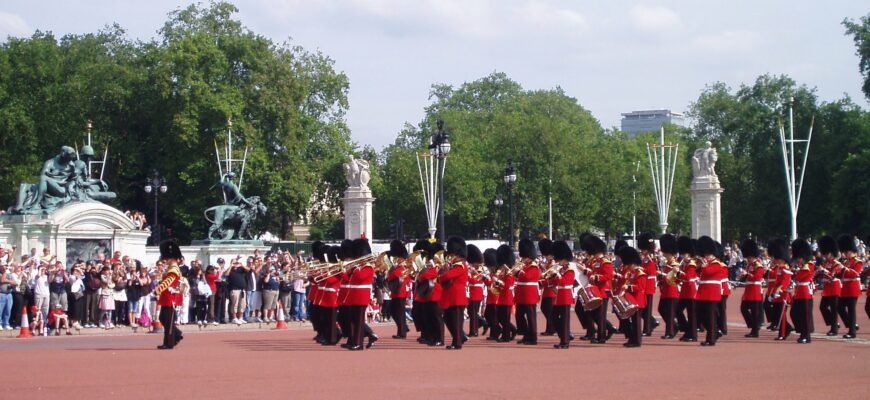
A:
[654,19]
[13,25]
[728,42]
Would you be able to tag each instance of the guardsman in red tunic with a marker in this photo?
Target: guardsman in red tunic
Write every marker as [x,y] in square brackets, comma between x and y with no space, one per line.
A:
[670,287]
[563,281]
[311,299]
[781,290]
[476,272]
[601,277]
[724,275]
[506,283]
[750,304]
[830,270]
[709,288]
[327,300]
[647,248]
[802,306]
[346,253]
[167,291]
[490,312]
[359,294]
[399,284]
[687,320]
[548,295]
[454,279]
[430,296]
[418,304]
[527,295]
[631,281]
[850,277]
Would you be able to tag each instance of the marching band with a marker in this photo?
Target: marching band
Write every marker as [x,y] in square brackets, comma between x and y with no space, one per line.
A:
[448,283]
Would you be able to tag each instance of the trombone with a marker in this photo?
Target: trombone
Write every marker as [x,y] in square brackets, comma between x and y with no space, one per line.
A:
[332,269]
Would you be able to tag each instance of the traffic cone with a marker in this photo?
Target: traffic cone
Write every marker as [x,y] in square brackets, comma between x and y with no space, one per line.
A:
[25,325]
[156,326]
[282,324]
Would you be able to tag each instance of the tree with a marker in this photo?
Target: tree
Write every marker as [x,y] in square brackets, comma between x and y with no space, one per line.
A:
[860,32]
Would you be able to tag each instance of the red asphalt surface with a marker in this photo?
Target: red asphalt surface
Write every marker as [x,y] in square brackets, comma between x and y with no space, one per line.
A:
[288,364]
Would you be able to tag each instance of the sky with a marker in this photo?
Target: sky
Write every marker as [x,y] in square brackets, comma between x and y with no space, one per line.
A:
[612,56]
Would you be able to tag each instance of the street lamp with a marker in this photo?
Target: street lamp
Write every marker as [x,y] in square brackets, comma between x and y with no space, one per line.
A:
[157,185]
[510,176]
[498,202]
[439,149]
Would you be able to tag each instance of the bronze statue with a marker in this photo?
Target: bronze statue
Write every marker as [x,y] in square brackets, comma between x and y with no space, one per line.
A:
[232,220]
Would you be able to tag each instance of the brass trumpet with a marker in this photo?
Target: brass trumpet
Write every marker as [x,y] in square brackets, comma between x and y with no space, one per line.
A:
[414,264]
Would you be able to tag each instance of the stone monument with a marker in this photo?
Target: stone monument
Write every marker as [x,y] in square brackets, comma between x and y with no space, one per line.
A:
[357,200]
[706,194]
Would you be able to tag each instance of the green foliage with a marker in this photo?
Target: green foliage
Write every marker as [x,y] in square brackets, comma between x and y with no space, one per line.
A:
[860,32]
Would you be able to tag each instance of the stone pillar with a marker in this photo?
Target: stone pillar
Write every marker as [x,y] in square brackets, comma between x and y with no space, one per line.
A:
[706,194]
[358,213]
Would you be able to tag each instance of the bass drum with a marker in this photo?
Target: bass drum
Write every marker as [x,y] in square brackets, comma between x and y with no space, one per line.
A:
[624,306]
[587,294]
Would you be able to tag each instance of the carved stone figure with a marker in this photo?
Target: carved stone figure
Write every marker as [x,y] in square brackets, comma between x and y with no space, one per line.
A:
[704,161]
[233,219]
[358,175]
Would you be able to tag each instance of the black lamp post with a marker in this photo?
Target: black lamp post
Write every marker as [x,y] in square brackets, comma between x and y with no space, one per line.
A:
[510,176]
[157,185]
[498,202]
[439,148]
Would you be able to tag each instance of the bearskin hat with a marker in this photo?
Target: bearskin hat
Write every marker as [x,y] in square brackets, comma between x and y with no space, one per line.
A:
[584,241]
[361,248]
[318,250]
[720,250]
[668,243]
[457,247]
[595,245]
[800,248]
[685,245]
[422,245]
[333,254]
[433,248]
[619,244]
[398,249]
[749,248]
[645,242]
[706,246]
[527,249]
[846,242]
[169,249]
[629,256]
[561,251]
[777,248]
[545,246]
[489,258]
[505,255]
[474,255]
[828,245]
[346,249]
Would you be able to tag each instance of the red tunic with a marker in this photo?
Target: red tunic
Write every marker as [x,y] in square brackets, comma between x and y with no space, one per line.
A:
[431,274]
[454,281]
[328,293]
[689,279]
[832,286]
[167,289]
[343,290]
[506,297]
[772,275]
[781,285]
[651,270]
[668,290]
[710,281]
[527,285]
[549,289]
[313,294]
[803,281]
[491,298]
[635,284]
[602,275]
[849,277]
[564,287]
[404,287]
[754,277]
[475,288]
[723,277]
[359,286]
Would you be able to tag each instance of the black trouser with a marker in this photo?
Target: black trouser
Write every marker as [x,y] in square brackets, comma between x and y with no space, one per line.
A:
[528,314]
[434,322]
[601,322]
[867,307]
[562,323]
[801,315]
[508,330]
[326,317]
[397,310]
[120,316]
[647,316]
[491,314]
[707,311]
[770,313]
[344,320]
[316,316]
[668,310]
[583,316]
[220,297]
[548,310]
[356,320]
[417,317]
[784,327]
[77,308]
[171,333]
[846,309]
[828,308]
[686,318]
[200,308]
[453,319]
[18,303]
[751,311]
[92,305]
[721,318]
[633,328]
[474,320]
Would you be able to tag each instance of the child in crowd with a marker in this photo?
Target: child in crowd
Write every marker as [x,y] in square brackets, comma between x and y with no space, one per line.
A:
[58,319]
[107,300]
[38,326]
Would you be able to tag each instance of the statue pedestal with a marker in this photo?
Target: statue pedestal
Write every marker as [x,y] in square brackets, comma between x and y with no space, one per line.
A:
[358,213]
[75,231]
[706,207]
[208,251]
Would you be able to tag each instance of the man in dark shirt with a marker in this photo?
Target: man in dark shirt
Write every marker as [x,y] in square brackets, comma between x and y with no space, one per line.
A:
[237,277]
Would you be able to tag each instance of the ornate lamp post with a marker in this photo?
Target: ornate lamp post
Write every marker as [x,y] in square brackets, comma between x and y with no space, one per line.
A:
[498,202]
[439,149]
[510,176]
[157,185]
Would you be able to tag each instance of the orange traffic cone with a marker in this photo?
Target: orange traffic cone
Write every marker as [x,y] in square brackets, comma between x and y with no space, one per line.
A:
[25,325]
[156,326]
[282,324]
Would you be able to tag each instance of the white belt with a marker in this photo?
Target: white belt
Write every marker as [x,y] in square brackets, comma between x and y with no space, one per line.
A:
[527,283]
[328,290]
[477,285]
[834,280]
[565,287]
[803,283]
[710,283]
[344,286]
[850,279]
[358,286]
[754,283]
[651,277]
